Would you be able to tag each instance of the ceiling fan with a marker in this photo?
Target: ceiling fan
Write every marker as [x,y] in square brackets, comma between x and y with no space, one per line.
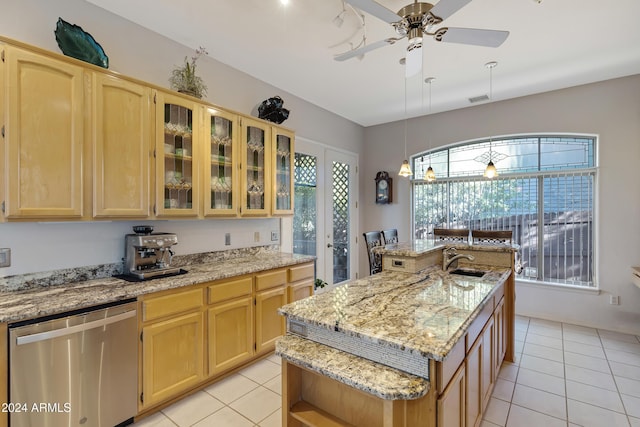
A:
[418,18]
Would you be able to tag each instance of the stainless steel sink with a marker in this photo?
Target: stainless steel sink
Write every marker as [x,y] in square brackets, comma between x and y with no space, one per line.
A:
[467,272]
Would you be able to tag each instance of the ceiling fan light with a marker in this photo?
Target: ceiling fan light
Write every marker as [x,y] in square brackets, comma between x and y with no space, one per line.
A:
[491,171]
[430,175]
[405,169]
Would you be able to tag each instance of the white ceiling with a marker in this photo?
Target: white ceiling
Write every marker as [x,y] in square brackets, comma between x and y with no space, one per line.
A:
[552,44]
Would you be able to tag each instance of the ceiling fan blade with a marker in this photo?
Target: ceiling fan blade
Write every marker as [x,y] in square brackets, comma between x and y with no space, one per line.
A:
[473,36]
[445,8]
[376,9]
[365,49]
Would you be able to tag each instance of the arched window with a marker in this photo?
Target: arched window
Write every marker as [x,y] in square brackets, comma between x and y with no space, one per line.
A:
[544,193]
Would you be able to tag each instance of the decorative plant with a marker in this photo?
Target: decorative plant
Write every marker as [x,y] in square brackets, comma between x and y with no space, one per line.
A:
[319,283]
[184,79]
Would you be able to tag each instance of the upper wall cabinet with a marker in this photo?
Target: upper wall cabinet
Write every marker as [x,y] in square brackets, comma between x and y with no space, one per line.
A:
[220,163]
[178,151]
[43,136]
[255,177]
[122,141]
[282,171]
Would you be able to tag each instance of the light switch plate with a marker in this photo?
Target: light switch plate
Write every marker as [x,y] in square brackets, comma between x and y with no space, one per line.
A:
[5,257]
[274,236]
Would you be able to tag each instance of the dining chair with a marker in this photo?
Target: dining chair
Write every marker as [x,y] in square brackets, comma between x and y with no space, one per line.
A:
[459,235]
[390,236]
[373,239]
[494,237]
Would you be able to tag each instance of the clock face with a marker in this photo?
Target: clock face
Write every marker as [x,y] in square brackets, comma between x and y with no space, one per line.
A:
[382,185]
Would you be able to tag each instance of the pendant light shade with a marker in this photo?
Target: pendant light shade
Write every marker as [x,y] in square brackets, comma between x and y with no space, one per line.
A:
[430,175]
[491,171]
[405,169]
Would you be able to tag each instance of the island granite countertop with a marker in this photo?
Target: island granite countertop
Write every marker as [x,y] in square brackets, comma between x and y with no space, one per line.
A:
[28,302]
[424,313]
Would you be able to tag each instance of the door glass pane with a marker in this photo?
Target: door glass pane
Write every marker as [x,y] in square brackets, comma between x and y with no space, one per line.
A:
[221,162]
[305,217]
[255,167]
[340,197]
[178,151]
[283,172]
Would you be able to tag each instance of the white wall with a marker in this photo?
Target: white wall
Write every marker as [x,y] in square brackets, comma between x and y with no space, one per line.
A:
[610,109]
[148,56]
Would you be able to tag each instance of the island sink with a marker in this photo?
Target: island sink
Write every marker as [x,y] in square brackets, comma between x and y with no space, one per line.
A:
[466,272]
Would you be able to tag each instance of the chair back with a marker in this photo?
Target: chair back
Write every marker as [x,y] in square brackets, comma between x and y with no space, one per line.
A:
[454,235]
[373,239]
[390,236]
[492,237]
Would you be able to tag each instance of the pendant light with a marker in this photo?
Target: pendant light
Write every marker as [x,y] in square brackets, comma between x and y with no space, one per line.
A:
[491,171]
[405,169]
[429,175]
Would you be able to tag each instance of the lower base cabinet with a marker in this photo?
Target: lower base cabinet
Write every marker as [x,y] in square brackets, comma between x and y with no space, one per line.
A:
[451,403]
[172,357]
[230,334]
[191,335]
[269,324]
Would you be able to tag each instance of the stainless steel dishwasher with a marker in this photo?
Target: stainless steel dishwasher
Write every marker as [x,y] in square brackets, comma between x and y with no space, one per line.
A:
[77,369]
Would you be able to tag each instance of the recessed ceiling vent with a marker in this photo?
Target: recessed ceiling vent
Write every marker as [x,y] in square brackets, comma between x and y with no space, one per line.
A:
[479,99]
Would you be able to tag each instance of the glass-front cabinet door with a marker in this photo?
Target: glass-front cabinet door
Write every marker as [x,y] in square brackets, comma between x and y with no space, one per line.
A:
[282,164]
[220,159]
[255,185]
[178,120]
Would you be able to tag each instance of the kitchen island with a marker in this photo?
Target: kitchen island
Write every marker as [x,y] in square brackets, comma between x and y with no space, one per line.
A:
[401,348]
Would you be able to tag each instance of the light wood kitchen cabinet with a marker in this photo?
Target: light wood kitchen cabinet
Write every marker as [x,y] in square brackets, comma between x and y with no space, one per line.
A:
[500,337]
[451,404]
[221,179]
[230,324]
[178,155]
[488,367]
[301,281]
[122,141]
[255,179]
[473,370]
[271,294]
[44,137]
[172,345]
[4,373]
[282,160]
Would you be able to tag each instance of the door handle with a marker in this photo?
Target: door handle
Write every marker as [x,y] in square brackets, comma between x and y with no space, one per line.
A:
[329,245]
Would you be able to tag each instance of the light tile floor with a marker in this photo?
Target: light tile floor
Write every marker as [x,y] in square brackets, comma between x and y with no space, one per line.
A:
[564,375]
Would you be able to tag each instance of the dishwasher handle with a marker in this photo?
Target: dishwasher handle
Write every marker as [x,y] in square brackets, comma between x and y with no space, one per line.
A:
[42,336]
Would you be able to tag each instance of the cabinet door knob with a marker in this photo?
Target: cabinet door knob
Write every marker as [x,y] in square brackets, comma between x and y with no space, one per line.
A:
[329,245]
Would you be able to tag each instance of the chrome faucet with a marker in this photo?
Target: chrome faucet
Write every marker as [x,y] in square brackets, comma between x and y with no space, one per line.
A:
[450,256]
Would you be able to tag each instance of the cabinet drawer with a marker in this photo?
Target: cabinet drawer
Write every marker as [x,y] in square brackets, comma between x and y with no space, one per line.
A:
[447,368]
[271,279]
[301,272]
[229,290]
[478,324]
[166,305]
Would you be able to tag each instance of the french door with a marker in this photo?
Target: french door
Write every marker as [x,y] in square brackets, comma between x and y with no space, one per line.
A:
[325,220]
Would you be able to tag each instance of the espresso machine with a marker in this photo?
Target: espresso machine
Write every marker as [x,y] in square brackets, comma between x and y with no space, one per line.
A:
[148,255]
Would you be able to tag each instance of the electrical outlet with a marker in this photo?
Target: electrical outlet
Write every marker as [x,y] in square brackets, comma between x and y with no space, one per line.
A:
[5,257]
[274,236]
[256,236]
[614,300]
[227,239]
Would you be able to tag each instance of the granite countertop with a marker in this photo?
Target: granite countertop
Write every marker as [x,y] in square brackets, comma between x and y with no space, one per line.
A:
[37,301]
[380,380]
[426,312]
[419,247]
